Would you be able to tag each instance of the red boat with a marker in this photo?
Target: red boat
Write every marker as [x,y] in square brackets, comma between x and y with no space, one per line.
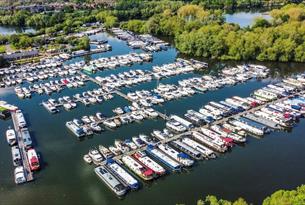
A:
[228,141]
[33,159]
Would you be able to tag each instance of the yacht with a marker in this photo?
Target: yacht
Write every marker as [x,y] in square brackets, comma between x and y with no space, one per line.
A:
[87,158]
[121,146]
[96,156]
[105,152]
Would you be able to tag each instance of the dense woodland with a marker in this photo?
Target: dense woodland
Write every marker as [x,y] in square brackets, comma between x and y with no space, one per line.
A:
[281,197]
[197,31]
[203,33]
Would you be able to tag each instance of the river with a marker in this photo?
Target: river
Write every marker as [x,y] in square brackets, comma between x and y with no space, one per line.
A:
[252,171]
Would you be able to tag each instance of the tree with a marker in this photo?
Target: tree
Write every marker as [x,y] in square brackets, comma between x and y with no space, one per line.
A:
[84,43]
[282,197]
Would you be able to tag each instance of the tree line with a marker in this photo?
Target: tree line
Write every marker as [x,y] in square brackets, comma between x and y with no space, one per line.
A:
[203,33]
[280,197]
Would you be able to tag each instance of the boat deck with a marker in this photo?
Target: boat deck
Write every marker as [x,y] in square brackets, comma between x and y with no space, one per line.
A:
[28,173]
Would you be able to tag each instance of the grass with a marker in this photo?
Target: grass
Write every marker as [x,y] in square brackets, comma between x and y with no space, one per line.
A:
[2,49]
[2,109]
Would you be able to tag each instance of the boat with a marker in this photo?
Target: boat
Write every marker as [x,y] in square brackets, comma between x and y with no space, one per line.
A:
[169,162]
[96,156]
[121,146]
[122,174]
[95,127]
[116,151]
[147,140]
[109,123]
[180,157]
[78,131]
[214,143]
[33,159]
[26,137]
[130,144]
[20,119]
[186,149]
[19,174]
[87,159]
[105,152]
[11,137]
[148,162]
[142,171]
[16,155]
[206,152]
[110,180]
[138,141]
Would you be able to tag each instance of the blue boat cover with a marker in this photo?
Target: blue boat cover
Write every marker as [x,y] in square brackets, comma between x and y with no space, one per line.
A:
[183,155]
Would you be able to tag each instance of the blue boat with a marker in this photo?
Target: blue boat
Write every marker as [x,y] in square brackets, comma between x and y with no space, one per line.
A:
[254,124]
[127,109]
[156,153]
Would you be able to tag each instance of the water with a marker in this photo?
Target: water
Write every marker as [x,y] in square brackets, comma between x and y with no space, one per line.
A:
[251,171]
[9,30]
[244,19]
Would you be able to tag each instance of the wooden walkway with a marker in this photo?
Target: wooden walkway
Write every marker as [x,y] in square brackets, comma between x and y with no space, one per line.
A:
[28,173]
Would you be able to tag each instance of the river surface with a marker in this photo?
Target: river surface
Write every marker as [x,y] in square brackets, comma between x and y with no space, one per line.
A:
[9,30]
[252,171]
[244,19]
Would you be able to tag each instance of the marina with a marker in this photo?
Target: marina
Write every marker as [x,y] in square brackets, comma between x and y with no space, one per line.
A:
[196,132]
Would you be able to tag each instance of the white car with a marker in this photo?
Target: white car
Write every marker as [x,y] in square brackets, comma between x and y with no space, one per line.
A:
[19,175]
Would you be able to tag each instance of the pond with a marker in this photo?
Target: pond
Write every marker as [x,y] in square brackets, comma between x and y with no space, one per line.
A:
[245,19]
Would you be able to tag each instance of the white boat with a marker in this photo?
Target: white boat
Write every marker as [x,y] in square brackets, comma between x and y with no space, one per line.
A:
[138,141]
[105,152]
[178,156]
[208,153]
[87,159]
[123,175]
[11,137]
[96,156]
[148,162]
[109,123]
[95,127]
[19,174]
[142,171]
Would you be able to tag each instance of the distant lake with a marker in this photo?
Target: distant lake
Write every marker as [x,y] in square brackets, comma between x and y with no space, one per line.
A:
[8,30]
[245,19]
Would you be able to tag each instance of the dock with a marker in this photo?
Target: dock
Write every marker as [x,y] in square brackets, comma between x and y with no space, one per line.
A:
[28,173]
[177,136]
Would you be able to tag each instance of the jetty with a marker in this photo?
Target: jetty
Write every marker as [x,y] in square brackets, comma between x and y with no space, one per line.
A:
[28,173]
[223,120]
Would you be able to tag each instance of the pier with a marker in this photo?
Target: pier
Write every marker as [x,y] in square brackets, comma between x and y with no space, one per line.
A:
[177,136]
[28,173]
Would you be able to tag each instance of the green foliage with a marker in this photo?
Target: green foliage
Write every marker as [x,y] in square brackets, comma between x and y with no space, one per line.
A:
[83,43]
[282,197]
[21,41]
